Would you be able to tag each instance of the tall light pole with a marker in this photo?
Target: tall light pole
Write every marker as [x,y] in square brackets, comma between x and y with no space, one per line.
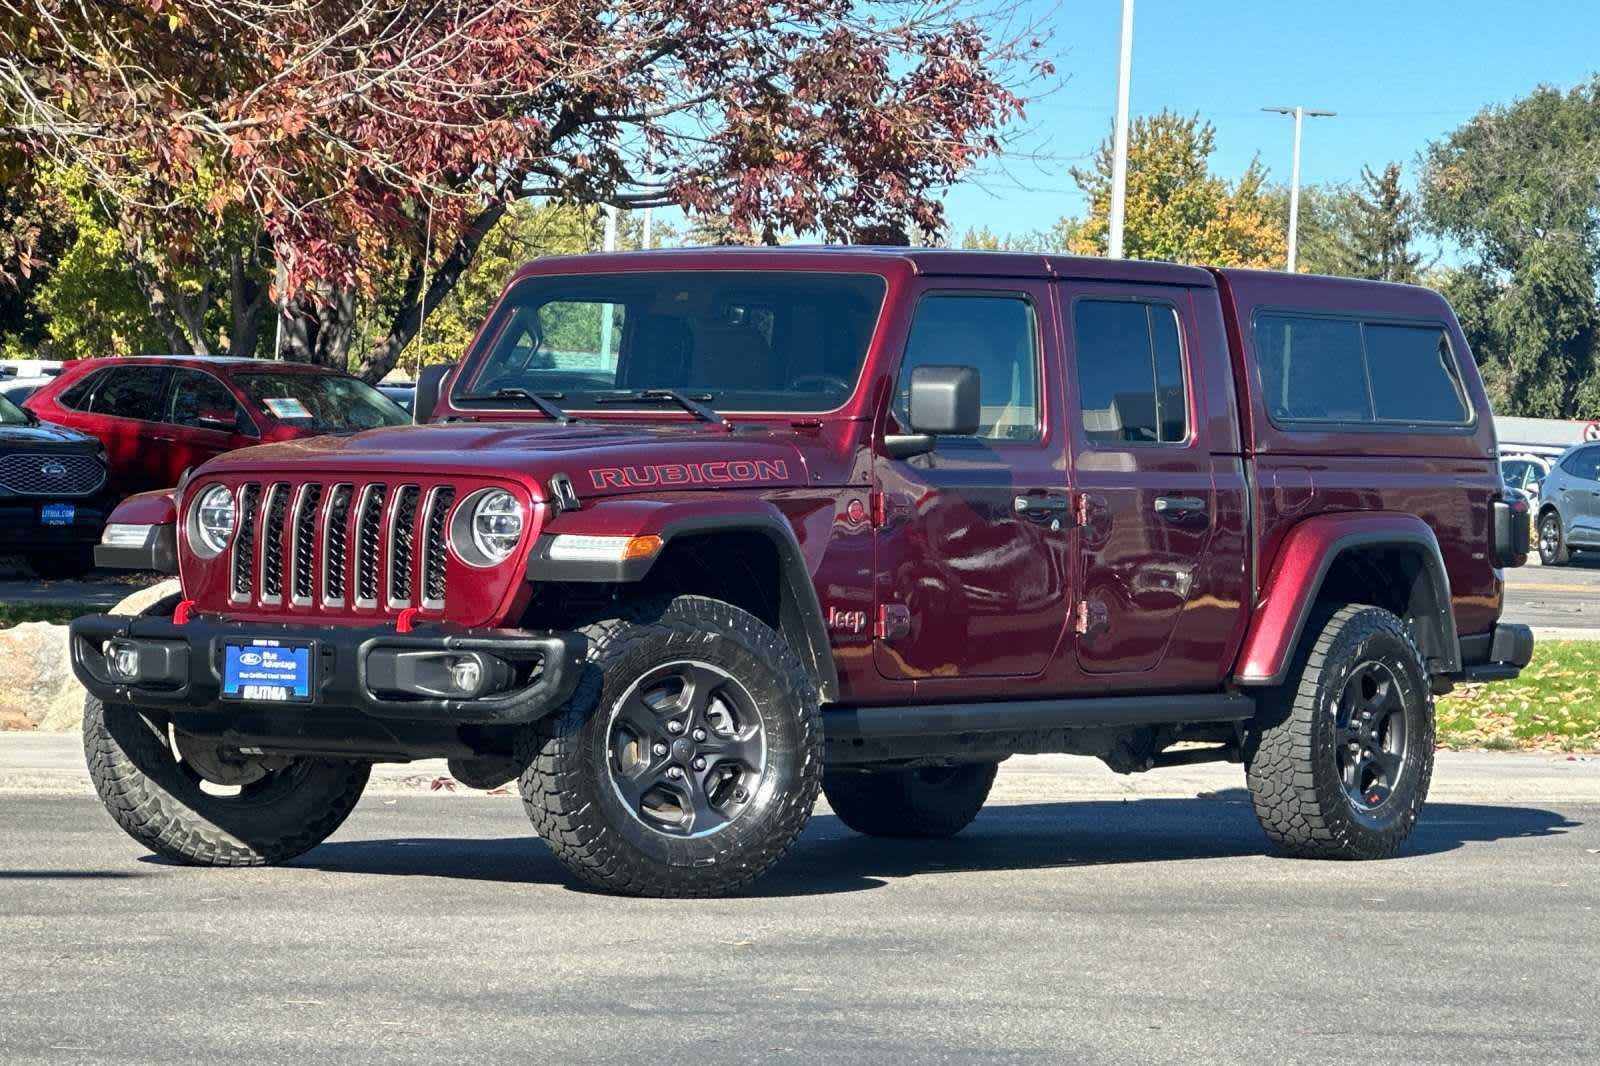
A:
[1119,159]
[1300,114]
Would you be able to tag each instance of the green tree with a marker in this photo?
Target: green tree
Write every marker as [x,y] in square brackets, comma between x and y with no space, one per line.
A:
[1056,239]
[1177,209]
[1369,231]
[1516,189]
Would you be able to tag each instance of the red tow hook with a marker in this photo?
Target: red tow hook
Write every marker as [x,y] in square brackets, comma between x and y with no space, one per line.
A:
[181,613]
[402,624]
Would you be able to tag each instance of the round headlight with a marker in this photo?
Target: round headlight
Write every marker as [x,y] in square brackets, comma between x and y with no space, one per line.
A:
[497,521]
[215,517]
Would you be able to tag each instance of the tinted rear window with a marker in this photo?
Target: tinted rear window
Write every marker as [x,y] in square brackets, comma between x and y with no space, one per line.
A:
[132,392]
[1345,370]
[1130,372]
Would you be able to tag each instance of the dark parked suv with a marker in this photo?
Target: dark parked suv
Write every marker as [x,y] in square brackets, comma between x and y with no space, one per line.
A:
[689,537]
[54,495]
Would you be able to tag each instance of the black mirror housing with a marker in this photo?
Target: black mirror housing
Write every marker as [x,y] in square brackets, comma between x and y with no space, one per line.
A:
[429,383]
[944,400]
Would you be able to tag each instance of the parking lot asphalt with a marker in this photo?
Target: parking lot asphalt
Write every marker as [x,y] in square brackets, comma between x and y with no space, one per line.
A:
[1057,928]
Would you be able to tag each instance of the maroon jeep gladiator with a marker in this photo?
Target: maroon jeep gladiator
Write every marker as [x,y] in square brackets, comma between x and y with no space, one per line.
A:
[689,536]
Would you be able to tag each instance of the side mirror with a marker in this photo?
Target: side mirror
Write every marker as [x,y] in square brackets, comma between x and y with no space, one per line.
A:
[943,401]
[429,383]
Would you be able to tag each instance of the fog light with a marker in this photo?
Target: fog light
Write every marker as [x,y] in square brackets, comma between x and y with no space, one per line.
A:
[466,675]
[123,660]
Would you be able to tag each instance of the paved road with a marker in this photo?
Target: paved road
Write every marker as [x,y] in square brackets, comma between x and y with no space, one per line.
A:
[1556,596]
[100,588]
[1106,931]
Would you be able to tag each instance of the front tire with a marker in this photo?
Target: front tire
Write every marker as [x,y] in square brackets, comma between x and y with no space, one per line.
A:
[1341,754]
[1553,550]
[926,801]
[173,793]
[687,761]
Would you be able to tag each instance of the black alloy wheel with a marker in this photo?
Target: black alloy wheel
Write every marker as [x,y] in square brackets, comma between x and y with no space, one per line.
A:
[1370,738]
[687,749]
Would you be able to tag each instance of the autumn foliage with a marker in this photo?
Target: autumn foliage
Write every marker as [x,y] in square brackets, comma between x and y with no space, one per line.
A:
[358,134]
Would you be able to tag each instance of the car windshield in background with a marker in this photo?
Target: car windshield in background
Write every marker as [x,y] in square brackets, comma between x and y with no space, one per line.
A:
[325,403]
[11,414]
[742,340]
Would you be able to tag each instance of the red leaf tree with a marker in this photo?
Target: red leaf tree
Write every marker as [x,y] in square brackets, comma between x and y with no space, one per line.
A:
[359,142]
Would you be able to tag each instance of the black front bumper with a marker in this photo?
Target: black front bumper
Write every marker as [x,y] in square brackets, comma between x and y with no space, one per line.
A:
[186,668]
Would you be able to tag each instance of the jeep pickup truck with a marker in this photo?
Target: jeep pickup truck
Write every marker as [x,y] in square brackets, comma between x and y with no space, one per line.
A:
[687,537]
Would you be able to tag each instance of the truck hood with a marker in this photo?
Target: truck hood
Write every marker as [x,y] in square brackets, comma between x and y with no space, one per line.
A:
[600,459]
[46,435]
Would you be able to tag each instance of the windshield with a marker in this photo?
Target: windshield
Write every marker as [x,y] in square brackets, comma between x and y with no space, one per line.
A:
[739,340]
[325,403]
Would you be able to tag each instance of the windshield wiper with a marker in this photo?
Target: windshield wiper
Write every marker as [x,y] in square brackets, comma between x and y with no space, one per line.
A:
[692,404]
[540,401]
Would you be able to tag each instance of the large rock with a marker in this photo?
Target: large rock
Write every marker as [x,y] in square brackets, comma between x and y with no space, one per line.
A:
[37,687]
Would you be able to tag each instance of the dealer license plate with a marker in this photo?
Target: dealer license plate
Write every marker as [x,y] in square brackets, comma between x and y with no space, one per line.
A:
[269,671]
[58,514]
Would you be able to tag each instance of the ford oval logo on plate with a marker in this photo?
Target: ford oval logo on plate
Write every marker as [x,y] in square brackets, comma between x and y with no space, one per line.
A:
[53,469]
[249,658]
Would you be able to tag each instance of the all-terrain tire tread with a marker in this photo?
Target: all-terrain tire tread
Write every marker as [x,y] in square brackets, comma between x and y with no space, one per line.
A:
[1300,812]
[155,818]
[888,803]
[555,784]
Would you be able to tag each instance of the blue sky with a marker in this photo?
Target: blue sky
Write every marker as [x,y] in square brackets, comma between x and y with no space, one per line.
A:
[1399,74]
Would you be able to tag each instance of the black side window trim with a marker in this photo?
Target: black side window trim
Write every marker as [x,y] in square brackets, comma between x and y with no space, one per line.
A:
[1307,425]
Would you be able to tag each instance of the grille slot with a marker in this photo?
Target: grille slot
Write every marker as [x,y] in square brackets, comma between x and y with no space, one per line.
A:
[51,475]
[244,543]
[433,545]
[274,511]
[304,543]
[402,540]
[335,540]
[369,524]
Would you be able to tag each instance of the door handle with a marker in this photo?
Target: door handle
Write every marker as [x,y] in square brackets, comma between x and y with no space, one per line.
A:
[1180,506]
[1044,506]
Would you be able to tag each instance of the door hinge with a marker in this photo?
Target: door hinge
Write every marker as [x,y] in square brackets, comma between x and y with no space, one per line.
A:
[894,621]
[879,507]
[1089,616]
[1081,511]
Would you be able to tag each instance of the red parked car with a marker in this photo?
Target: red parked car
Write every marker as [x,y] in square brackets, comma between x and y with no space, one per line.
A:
[160,415]
[693,535]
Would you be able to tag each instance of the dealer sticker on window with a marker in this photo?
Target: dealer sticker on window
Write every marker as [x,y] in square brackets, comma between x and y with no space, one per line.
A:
[286,407]
[273,671]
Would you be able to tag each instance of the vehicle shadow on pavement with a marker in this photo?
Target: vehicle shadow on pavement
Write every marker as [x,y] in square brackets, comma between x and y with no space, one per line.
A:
[831,858]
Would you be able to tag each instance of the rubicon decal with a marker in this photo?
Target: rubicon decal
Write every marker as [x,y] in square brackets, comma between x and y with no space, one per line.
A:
[714,473]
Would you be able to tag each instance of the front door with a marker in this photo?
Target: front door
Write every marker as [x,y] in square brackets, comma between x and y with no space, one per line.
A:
[1144,475]
[974,548]
[204,420]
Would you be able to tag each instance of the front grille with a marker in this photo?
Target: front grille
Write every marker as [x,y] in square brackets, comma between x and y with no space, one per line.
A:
[338,545]
[51,475]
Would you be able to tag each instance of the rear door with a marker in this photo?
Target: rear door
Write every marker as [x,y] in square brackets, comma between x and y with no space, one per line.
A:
[974,546]
[1146,499]
[128,410]
[204,421]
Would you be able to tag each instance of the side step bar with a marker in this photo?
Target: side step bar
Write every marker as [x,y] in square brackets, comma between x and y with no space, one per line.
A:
[944,719]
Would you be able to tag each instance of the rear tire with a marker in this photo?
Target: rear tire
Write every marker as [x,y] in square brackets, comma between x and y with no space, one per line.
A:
[1341,754]
[687,761]
[926,801]
[284,807]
